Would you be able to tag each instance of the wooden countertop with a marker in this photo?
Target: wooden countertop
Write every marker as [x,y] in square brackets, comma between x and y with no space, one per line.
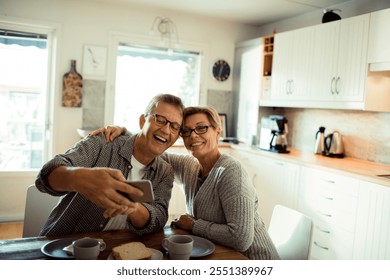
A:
[360,169]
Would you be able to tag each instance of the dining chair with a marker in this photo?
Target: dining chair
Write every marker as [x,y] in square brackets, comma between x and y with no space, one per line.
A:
[290,231]
[38,207]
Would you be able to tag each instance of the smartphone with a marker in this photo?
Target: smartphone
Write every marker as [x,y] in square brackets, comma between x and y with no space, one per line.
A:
[143,185]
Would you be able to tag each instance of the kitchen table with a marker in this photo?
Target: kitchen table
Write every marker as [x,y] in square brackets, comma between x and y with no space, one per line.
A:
[30,248]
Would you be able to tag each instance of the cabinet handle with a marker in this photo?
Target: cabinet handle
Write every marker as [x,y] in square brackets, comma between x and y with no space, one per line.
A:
[326,197]
[291,86]
[324,231]
[287,86]
[318,245]
[324,214]
[331,85]
[328,181]
[337,85]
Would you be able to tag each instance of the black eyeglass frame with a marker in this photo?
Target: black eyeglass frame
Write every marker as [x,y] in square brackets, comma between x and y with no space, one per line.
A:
[163,123]
[196,130]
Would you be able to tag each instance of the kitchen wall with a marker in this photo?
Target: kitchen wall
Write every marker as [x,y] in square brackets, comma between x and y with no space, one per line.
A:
[365,134]
[84,22]
[81,22]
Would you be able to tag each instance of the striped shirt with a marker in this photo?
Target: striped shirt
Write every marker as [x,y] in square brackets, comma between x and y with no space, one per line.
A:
[75,214]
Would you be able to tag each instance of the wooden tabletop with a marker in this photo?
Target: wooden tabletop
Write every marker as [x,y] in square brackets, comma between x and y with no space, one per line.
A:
[30,248]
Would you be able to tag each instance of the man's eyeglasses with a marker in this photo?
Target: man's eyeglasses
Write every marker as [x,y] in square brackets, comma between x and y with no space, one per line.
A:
[162,121]
[186,132]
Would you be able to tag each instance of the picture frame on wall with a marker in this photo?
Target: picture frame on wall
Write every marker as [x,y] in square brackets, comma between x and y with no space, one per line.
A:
[223,118]
[94,62]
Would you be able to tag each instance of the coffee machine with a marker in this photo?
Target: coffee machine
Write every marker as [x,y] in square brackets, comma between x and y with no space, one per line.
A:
[273,134]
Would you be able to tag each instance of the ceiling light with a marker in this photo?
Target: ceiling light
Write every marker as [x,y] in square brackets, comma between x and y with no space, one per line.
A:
[168,32]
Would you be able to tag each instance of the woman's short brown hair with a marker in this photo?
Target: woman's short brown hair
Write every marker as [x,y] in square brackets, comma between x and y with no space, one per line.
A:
[210,112]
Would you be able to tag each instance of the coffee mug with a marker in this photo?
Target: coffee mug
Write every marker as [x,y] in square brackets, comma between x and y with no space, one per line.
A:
[88,248]
[179,246]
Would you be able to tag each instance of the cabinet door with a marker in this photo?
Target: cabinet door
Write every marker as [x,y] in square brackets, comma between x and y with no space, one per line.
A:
[276,182]
[330,200]
[352,59]
[339,62]
[292,65]
[372,240]
[282,65]
[379,40]
[323,80]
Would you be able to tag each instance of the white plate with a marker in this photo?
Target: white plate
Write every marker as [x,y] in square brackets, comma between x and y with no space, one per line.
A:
[156,255]
[202,247]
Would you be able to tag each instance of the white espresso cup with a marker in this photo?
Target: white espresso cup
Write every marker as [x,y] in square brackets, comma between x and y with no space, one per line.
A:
[87,248]
[179,246]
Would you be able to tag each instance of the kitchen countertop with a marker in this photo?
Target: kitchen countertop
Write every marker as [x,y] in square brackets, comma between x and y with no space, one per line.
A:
[360,169]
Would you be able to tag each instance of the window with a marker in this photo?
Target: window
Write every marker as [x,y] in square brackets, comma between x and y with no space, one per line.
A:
[23,81]
[142,72]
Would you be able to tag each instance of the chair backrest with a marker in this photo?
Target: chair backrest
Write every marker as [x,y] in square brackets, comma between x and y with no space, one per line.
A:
[38,208]
[290,231]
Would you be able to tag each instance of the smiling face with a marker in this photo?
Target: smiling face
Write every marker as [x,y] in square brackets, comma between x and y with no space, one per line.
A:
[201,145]
[154,137]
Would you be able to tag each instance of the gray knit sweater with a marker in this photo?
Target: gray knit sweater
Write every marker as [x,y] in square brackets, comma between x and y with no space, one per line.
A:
[225,205]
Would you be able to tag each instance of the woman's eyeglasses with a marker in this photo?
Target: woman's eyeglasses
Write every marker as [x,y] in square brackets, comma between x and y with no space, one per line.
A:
[162,121]
[186,132]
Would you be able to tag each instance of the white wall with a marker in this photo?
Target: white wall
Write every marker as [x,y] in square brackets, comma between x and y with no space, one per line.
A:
[78,23]
[82,23]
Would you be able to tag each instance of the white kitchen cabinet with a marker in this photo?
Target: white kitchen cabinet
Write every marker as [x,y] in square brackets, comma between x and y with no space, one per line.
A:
[276,181]
[378,78]
[291,66]
[351,216]
[379,41]
[331,201]
[339,62]
[321,66]
[372,239]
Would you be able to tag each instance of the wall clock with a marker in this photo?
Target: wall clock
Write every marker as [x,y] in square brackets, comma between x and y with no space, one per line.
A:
[94,61]
[221,70]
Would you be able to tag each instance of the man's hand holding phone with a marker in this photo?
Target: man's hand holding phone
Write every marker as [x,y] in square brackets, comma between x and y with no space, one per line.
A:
[145,186]
[148,196]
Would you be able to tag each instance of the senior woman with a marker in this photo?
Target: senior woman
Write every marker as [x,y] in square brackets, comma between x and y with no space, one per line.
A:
[221,201]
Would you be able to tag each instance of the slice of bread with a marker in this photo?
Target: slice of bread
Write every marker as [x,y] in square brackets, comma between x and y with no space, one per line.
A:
[131,251]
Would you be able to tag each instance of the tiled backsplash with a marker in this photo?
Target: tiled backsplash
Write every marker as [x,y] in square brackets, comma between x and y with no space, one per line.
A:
[366,135]
[93,103]
[222,101]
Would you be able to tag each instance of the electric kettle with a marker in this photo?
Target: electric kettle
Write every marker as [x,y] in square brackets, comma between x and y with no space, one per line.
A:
[319,147]
[334,146]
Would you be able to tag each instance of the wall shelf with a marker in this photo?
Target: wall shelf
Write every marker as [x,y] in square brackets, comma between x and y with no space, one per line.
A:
[268,49]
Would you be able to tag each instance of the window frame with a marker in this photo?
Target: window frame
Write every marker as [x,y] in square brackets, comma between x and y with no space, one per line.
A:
[52,31]
[117,38]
